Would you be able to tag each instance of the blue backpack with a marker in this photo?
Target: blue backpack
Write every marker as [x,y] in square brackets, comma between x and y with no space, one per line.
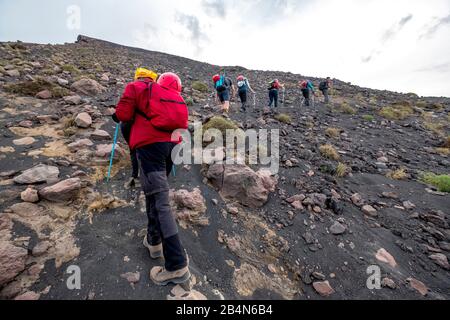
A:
[221,85]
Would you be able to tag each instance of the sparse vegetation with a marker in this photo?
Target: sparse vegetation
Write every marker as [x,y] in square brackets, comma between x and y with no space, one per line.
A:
[346,108]
[189,102]
[285,118]
[200,86]
[71,68]
[69,126]
[368,117]
[333,133]
[434,124]
[329,152]
[397,111]
[421,104]
[220,123]
[399,174]
[31,88]
[440,182]
[443,151]
[341,170]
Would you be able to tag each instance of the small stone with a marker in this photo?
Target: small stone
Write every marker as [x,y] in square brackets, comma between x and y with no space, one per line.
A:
[44,94]
[100,135]
[318,276]
[29,195]
[62,82]
[132,277]
[369,211]
[41,248]
[83,120]
[408,205]
[441,260]
[337,228]
[356,199]
[272,268]
[388,283]
[26,124]
[63,191]
[384,256]
[28,296]
[323,288]
[13,73]
[24,141]
[390,195]
[76,99]
[233,211]
[383,159]
[418,286]
[215,202]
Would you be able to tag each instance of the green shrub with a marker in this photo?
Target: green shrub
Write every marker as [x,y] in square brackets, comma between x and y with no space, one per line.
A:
[333,132]
[219,123]
[346,108]
[71,68]
[200,86]
[368,118]
[31,88]
[189,102]
[341,170]
[441,182]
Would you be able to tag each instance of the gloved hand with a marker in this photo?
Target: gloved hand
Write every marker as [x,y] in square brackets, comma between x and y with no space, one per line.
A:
[115,119]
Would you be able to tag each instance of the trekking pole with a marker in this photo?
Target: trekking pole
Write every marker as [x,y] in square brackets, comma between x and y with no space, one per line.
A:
[112,152]
[254,100]
[284,91]
[174,171]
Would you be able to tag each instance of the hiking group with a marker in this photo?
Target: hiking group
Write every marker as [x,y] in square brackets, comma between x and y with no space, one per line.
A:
[225,91]
[150,111]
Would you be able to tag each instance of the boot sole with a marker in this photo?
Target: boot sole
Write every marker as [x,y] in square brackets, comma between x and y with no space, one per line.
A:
[181,280]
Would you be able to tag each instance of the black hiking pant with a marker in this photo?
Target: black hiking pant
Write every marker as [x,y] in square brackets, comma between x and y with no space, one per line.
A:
[126,132]
[243,97]
[307,96]
[156,165]
[273,98]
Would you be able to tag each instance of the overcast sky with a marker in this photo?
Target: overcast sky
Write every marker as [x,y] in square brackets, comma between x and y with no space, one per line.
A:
[400,45]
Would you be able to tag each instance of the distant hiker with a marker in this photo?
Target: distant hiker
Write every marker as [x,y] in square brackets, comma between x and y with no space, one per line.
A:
[140,74]
[273,88]
[324,86]
[243,86]
[158,110]
[307,88]
[223,86]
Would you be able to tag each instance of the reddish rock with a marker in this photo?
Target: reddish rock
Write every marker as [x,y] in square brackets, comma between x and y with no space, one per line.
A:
[323,288]
[12,261]
[30,195]
[100,135]
[369,211]
[384,256]
[41,248]
[63,191]
[28,296]
[83,120]
[88,87]
[441,260]
[132,277]
[44,94]
[80,144]
[418,286]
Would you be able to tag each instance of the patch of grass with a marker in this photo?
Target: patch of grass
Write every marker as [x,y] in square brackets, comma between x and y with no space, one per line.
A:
[341,170]
[329,152]
[421,104]
[399,174]
[347,108]
[432,124]
[69,126]
[443,151]
[333,133]
[368,117]
[397,112]
[71,68]
[447,143]
[31,88]
[189,102]
[285,118]
[437,106]
[219,123]
[440,182]
[200,86]
[49,72]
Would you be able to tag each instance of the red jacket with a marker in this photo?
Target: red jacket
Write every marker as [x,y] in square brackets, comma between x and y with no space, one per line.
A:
[142,132]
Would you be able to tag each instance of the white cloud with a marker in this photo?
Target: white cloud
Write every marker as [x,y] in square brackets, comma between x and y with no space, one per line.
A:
[374,43]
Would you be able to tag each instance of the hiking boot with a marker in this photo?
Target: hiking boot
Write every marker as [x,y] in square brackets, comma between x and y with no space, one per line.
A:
[130,184]
[156,252]
[162,277]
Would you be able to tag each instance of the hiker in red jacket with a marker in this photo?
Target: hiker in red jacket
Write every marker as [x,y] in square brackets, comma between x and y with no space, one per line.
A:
[158,110]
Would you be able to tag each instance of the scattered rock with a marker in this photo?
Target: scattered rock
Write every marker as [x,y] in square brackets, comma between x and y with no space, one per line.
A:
[408,205]
[76,99]
[83,120]
[41,248]
[29,195]
[337,228]
[12,261]
[100,135]
[28,296]
[418,286]
[24,141]
[63,191]
[384,256]
[357,200]
[132,277]
[44,94]
[323,288]
[88,87]
[38,174]
[441,260]
[388,283]
[369,211]
[80,144]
